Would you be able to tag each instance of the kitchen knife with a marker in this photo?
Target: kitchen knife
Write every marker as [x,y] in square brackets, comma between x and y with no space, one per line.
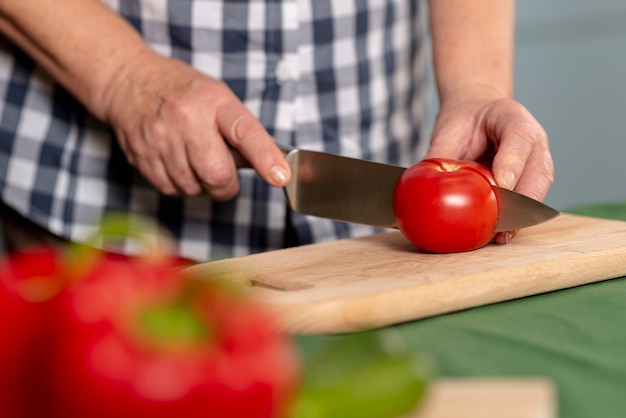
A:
[359,191]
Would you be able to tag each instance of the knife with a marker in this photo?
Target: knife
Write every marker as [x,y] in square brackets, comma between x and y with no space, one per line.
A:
[360,191]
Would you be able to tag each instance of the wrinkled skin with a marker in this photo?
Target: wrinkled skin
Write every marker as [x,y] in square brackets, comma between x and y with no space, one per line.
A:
[501,134]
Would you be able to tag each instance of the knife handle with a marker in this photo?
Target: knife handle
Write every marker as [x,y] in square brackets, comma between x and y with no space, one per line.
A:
[242,162]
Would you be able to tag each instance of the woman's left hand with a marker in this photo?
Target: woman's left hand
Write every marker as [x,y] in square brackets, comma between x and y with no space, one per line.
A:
[502,134]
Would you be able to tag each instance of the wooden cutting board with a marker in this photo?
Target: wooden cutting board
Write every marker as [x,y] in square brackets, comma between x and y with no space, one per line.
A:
[373,281]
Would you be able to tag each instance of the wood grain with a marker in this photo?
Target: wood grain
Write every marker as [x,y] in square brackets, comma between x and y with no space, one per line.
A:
[373,281]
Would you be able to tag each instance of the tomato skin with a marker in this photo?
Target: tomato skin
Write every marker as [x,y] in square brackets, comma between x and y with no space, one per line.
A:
[443,205]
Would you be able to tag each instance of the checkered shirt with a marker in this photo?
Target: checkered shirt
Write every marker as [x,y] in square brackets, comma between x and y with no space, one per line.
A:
[343,76]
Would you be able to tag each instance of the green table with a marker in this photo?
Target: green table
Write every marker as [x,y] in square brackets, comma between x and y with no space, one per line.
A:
[576,337]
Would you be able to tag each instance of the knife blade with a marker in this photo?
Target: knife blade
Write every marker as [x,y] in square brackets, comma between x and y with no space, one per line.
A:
[359,191]
[342,188]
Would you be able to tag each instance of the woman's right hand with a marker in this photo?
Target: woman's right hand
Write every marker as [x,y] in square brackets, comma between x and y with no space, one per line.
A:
[176,125]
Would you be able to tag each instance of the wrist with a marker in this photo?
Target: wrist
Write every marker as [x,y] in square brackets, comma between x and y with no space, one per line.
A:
[86,56]
[117,77]
[479,90]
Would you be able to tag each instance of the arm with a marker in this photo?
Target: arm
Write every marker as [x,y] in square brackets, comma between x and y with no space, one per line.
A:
[473,49]
[473,45]
[172,122]
[68,42]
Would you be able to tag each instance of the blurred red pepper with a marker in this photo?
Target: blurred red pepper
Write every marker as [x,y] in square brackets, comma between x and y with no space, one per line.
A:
[136,337]
[28,281]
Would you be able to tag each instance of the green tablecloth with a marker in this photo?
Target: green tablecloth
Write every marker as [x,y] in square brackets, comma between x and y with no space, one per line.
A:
[576,337]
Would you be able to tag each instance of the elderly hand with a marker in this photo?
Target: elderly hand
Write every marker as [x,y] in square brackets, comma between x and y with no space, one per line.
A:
[500,133]
[175,125]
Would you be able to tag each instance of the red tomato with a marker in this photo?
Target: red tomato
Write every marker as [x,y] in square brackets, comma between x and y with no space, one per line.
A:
[136,338]
[444,205]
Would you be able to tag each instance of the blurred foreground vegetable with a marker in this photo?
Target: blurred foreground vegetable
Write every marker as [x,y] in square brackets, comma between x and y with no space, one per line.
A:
[370,374]
[94,334]
[90,333]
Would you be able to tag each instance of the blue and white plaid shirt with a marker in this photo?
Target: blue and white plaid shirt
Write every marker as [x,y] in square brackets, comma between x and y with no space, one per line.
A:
[344,76]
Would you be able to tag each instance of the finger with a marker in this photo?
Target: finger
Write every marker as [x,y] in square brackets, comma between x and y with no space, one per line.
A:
[245,133]
[446,142]
[213,164]
[124,145]
[174,159]
[151,169]
[516,142]
[523,161]
[504,237]
[154,172]
[538,175]
[180,173]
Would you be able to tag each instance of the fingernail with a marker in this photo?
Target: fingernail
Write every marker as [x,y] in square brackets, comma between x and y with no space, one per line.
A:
[278,175]
[507,180]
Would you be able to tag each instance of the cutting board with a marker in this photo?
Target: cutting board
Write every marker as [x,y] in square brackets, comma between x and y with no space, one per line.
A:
[362,283]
